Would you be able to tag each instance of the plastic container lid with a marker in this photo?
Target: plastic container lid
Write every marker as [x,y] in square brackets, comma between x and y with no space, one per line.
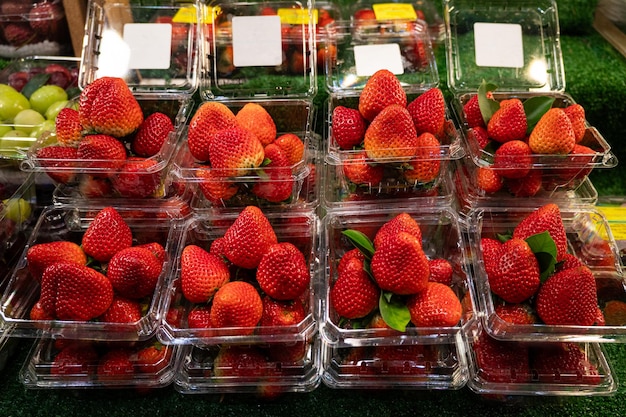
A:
[513,45]
[154,48]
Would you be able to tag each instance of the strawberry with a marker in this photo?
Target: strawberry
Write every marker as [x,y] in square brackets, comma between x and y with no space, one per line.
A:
[391,135]
[598,252]
[279,184]
[354,294]
[428,112]
[153,359]
[283,272]
[615,313]
[491,253]
[235,151]
[122,310]
[348,127]
[134,272]
[94,187]
[399,264]
[249,238]
[240,363]
[508,122]
[501,362]
[565,363]
[116,364]
[152,134]
[473,116]
[358,170]
[107,234]
[237,304]
[42,255]
[425,166]
[37,312]
[545,218]
[68,127]
[576,115]
[478,135]
[488,180]
[516,313]
[553,134]
[403,361]
[579,161]
[292,146]
[105,152]
[515,276]
[343,261]
[278,313]
[402,222]
[209,118]
[201,274]
[58,162]
[526,186]
[199,317]
[137,178]
[513,159]
[254,117]
[107,106]
[77,358]
[568,261]
[157,250]
[440,271]
[568,297]
[381,90]
[214,186]
[435,306]
[75,292]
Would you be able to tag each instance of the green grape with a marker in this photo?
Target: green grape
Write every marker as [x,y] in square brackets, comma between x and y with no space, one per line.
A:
[11,103]
[27,120]
[46,126]
[45,96]
[55,108]
[16,209]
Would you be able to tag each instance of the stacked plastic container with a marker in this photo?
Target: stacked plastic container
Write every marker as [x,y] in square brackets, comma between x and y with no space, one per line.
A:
[517,48]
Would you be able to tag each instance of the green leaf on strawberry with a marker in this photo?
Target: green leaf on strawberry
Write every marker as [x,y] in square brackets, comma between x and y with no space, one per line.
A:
[361,242]
[394,311]
[535,107]
[544,248]
[488,106]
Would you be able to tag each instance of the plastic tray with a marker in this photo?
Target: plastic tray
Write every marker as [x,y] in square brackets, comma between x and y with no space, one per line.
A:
[441,238]
[148,224]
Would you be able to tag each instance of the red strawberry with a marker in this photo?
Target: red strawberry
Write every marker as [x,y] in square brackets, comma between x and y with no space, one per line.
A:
[75,292]
[152,134]
[240,363]
[568,261]
[428,112]
[254,117]
[102,152]
[568,297]
[137,178]
[399,264]
[235,151]
[249,238]
[209,118]
[280,314]
[491,253]
[565,363]
[501,362]
[576,114]
[553,134]
[237,304]
[94,187]
[354,294]
[201,274]
[358,170]
[473,116]
[515,276]
[77,358]
[279,184]
[508,122]
[381,90]
[351,254]
[37,312]
[42,255]
[516,313]
[58,162]
[527,186]
[107,106]
[292,146]
[116,364]
[153,359]
[348,127]
[215,188]
[578,164]
[122,310]
[157,250]
[513,159]
[435,306]
[402,222]
[107,234]
[425,166]
[546,218]
[134,272]
[199,317]
[403,361]
[598,252]
[488,180]
[68,127]
[440,271]
[391,135]
[283,272]
[478,135]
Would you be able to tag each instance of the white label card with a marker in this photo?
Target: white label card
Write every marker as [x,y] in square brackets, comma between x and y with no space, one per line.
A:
[499,45]
[149,44]
[257,41]
[370,58]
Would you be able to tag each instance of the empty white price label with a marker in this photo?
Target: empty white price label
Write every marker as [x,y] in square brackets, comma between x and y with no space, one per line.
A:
[499,45]
[371,58]
[257,41]
[149,45]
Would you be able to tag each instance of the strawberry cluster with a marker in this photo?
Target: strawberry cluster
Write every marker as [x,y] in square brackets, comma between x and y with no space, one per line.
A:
[393,279]
[109,140]
[106,278]
[242,153]
[246,279]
